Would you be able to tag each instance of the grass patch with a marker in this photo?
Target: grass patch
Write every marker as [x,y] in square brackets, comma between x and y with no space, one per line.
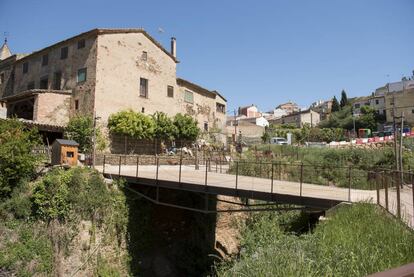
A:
[356,241]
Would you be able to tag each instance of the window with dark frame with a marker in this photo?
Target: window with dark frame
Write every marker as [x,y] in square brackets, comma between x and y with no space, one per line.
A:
[81,43]
[144,56]
[376,102]
[170,91]
[70,154]
[31,85]
[142,110]
[81,75]
[57,80]
[25,67]
[64,53]
[44,83]
[45,59]
[76,105]
[220,108]
[143,87]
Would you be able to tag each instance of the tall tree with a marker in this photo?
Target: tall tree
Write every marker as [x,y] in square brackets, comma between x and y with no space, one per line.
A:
[335,105]
[344,99]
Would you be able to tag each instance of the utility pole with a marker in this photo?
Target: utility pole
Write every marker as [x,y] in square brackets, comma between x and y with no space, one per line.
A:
[235,127]
[401,148]
[395,130]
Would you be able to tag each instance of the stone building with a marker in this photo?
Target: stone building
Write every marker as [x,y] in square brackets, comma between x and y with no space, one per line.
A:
[401,100]
[299,119]
[103,71]
[249,111]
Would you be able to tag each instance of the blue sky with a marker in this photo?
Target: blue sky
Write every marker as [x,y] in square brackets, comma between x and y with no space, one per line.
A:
[262,52]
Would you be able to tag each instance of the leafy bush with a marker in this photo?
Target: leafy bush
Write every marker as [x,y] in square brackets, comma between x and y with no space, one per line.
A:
[133,124]
[17,163]
[187,128]
[29,253]
[80,129]
[164,127]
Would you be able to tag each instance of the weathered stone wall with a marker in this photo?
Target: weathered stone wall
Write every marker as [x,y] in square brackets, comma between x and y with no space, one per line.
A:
[403,104]
[120,65]
[52,108]
[203,109]
[77,59]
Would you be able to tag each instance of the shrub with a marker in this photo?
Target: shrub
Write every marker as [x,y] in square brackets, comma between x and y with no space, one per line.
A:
[187,128]
[16,160]
[133,124]
[164,127]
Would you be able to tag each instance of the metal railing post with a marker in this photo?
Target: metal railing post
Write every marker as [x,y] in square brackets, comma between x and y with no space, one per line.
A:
[350,182]
[119,169]
[136,173]
[385,185]
[103,164]
[179,173]
[157,160]
[205,181]
[398,179]
[271,188]
[237,173]
[377,187]
[301,178]
[280,170]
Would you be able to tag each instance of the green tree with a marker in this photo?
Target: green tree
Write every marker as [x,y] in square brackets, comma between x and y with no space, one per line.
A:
[80,129]
[164,127]
[335,105]
[133,124]
[17,163]
[187,128]
[344,99]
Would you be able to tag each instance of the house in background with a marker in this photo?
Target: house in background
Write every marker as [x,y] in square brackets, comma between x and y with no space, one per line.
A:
[289,107]
[324,108]
[249,111]
[103,71]
[299,119]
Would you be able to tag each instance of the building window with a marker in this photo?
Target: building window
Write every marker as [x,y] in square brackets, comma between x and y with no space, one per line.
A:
[1,78]
[412,111]
[205,126]
[70,154]
[26,67]
[220,108]
[45,59]
[188,96]
[64,53]
[376,102]
[81,75]
[44,83]
[357,106]
[76,105]
[144,56]
[142,110]
[31,85]
[57,80]
[143,87]
[170,91]
[81,43]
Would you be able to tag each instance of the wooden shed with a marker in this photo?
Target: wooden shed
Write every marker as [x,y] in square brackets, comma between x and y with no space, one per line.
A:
[65,152]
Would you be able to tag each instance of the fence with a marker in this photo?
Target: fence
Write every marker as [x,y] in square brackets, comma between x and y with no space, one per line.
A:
[390,189]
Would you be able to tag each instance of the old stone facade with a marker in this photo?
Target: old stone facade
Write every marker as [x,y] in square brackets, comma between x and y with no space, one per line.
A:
[103,71]
[299,119]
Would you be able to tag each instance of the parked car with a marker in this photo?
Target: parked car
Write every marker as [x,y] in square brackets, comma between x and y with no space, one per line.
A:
[278,141]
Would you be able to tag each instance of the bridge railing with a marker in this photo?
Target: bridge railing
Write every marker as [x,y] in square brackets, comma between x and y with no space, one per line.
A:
[390,189]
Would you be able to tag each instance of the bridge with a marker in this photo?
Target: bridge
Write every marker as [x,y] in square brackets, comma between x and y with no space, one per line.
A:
[274,182]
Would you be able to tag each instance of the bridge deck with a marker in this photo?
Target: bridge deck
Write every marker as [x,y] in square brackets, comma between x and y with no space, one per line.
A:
[245,186]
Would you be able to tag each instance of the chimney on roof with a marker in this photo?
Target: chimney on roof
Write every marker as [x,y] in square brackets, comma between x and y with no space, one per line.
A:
[174,47]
